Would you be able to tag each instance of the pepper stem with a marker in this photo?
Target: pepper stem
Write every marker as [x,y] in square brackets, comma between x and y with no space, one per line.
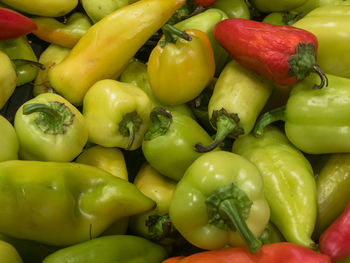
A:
[26,61]
[266,119]
[323,77]
[39,107]
[160,227]
[171,34]
[161,120]
[230,209]
[129,126]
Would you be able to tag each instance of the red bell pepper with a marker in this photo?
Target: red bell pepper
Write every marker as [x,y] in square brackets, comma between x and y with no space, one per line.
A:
[14,24]
[335,240]
[204,3]
[173,259]
[283,54]
[282,252]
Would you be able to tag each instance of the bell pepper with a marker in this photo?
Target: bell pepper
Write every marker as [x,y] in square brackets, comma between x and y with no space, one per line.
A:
[136,74]
[9,144]
[289,185]
[269,6]
[168,145]
[205,21]
[239,96]
[98,9]
[173,259]
[332,186]
[8,253]
[310,5]
[106,48]
[14,24]
[65,34]
[330,25]
[52,8]
[62,204]
[282,18]
[220,201]
[283,54]
[273,253]
[271,235]
[335,240]
[118,248]
[49,128]
[181,65]
[22,55]
[49,58]
[8,79]
[315,120]
[233,8]
[117,114]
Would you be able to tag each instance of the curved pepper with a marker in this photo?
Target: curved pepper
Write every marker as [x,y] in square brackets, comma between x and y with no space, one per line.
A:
[9,144]
[22,55]
[118,248]
[49,128]
[8,253]
[64,34]
[316,121]
[220,201]
[332,184]
[117,114]
[181,65]
[136,74]
[239,96]
[169,143]
[330,24]
[63,203]
[233,8]
[8,79]
[106,48]
[52,8]
[269,6]
[289,185]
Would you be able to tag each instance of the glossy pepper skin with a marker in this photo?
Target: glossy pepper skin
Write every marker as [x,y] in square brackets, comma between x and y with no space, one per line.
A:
[22,55]
[289,185]
[8,79]
[220,201]
[205,21]
[117,248]
[233,8]
[269,6]
[51,8]
[179,69]
[106,48]
[283,54]
[330,25]
[316,121]
[49,128]
[335,240]
[68,202]
[238,97]
[332,185]
[117,114]
[8,253]
[310,5]
[64,34]
[9,145]
[169,143]
[136,74]
[273,253]
[14,24]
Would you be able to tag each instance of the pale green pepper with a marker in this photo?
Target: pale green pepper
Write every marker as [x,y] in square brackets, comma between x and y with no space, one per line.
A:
[9,145]
[8,253]
[8,79]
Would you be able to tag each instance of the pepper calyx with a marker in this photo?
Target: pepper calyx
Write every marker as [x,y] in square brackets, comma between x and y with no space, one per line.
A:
[160,227]
[129,126]
[172,34]
[161,120]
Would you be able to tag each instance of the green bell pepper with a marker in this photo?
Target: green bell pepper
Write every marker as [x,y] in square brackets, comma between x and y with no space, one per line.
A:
[205,22]
[269,6]
[271,235]
[310,5]
[136,74]
[49,128]
[220,201]
[117,248]
[316,120]
[8,78]
[330,24]
[169,143]
[117,114]
[281,18]
[21,53]
[9,145]
[332,183]
[289,185]
[233,8]
[8,253]
[62,204]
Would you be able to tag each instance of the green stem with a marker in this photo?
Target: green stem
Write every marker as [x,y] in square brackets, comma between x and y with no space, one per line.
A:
[160,227]
[266,119]
[322,75]
[230,209]
[131,128]
[161,120]
[26,61]
[171,34]
[43,108]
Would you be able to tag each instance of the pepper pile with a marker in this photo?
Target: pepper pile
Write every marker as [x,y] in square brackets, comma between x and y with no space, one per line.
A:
[175,131]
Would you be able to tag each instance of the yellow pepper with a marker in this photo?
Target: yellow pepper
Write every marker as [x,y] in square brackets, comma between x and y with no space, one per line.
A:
[8,79]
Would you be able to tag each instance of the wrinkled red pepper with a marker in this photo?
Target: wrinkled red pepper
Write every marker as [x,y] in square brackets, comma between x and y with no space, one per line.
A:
[204,3]
[282,252]
[283,54]
[335,240]
[14,24]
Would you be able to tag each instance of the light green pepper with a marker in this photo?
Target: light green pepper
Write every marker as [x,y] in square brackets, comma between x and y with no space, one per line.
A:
[9,145]
[8,253]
